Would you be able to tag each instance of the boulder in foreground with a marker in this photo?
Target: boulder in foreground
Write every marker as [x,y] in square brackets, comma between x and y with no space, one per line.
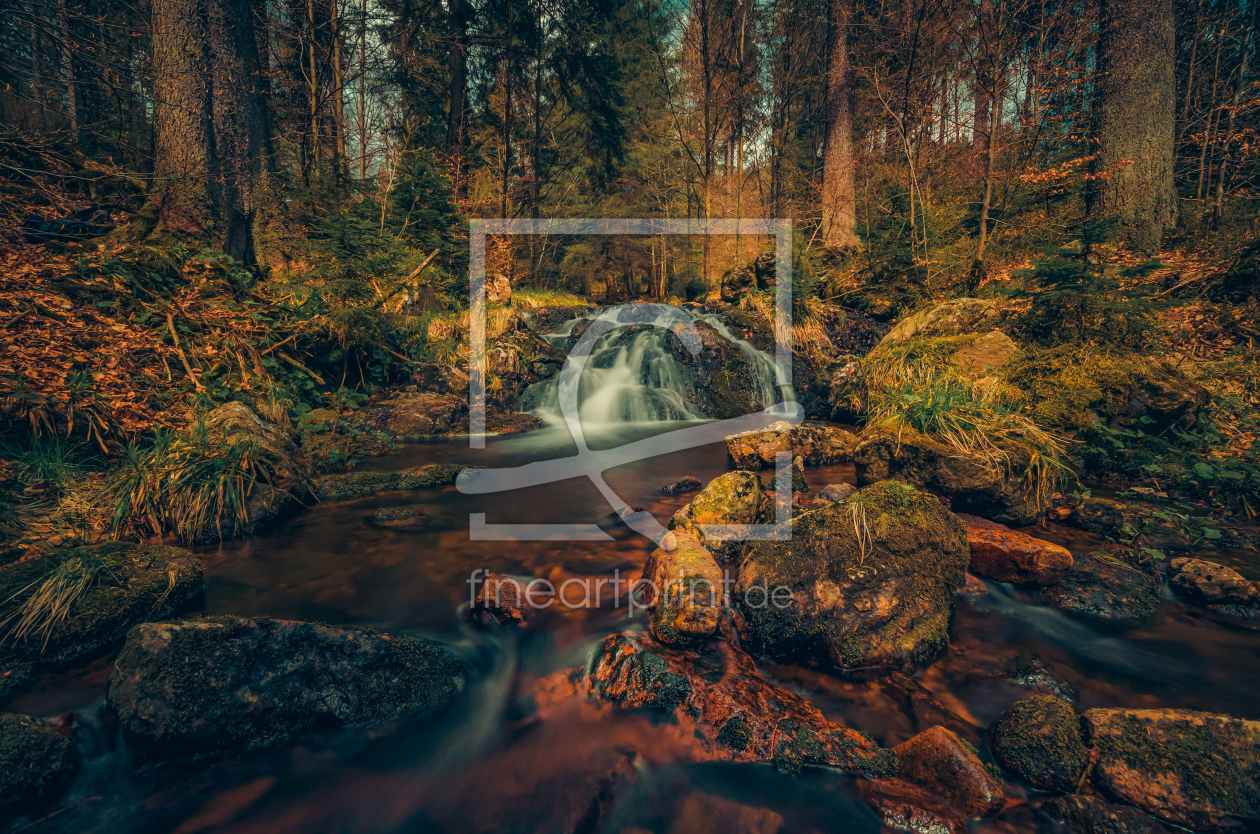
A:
[1039,741]
[866,583]
[1193,769]
[184,689]
[939,760]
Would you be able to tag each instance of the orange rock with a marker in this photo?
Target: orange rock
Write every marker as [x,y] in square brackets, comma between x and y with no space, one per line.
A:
[937,759]
[1007,556]
[902,806]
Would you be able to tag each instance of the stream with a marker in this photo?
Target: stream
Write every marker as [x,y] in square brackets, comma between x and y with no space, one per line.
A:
[524,749]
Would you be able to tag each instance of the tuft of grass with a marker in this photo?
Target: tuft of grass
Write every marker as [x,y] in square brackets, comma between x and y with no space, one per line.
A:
[187,484]
[52,597]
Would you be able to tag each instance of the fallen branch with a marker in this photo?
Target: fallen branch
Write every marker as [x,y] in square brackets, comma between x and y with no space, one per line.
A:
[170,324]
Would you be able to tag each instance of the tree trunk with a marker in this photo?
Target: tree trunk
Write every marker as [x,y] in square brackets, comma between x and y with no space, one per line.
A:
[984,81]
[1134,121]
[213,137]
[839,199]
[67,60]
[363,93]
[457,118]
[1218,206]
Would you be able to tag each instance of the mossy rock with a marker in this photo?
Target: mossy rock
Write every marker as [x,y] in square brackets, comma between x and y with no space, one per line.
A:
[1087,814]
[1068,390]
[687,591]
[871,581]
[719,380]
[1039,741]
[1000,493]
[185,689]
[1108,585]
[732,499]
[134,584]
[1193,769]
[36,761]
[350,485]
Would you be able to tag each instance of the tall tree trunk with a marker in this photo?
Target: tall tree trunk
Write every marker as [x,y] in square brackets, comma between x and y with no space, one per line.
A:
[1134,121]
[1240,78]
[984,80]
[457,117]
[213,136]
[67,60]
[363,92]
[839,163]
[338,92]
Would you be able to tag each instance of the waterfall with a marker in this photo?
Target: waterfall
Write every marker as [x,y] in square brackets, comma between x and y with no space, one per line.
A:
[632,377]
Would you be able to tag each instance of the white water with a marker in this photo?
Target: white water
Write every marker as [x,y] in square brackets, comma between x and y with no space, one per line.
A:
[634,379]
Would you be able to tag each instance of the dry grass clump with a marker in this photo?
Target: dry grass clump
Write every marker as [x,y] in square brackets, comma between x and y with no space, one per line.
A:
[52,598]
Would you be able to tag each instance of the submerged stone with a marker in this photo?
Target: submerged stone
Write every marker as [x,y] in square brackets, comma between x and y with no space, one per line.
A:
[1194,769]
[1039,741]
[36,760]
[1108,586]
[739,715]
[337,487]
[129,584]
[186,689]
[902,806]
[866,583]
[1093,815]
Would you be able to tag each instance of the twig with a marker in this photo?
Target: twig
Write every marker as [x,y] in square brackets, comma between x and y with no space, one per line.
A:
[415,273]
[170,324]
[16,318]
[286,357]
[278,344]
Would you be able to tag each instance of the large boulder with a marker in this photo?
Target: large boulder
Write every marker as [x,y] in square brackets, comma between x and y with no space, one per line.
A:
[737,283]
[1107,585]
[941,761]
[1208,583]
[998,492]
[816,444]
[685,591]
[720,380]
[125,585]
[1001,554]
[986,353]
[1039,740]
[735,713]
[732,499]
[185,689]
[949,318]
[1193,769]
[36,761]
[866,583]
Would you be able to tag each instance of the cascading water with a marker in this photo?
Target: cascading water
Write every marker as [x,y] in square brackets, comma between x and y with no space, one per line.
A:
[632,377]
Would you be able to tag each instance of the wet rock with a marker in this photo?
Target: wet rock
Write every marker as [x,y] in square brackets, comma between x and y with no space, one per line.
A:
[986,354]
[738,714]
[902,806]
[401,518]
[835,493]
[1208,583]
[974,587]
[799,485]
[687,484]
[504,599]
[949,318]
[737,283]
[867,583]
[731,499]
[415,415]
[14,675]
[1039,741]
[684,591]
[816,444]
[1038,676]
[131,584]
[1004,555]
[37,761]
[1193,769]
[706,813]
[1093,815]
[719,380]
[184,689]
[1125,521]
[937,759]
[970,484]
[1107,585]
[338,487]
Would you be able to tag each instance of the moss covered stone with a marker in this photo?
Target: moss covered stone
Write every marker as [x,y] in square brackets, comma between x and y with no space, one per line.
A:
[866,583]
[190,688]
[1001,494]
[735,498]
[1039,741]
[1194,769]
[36,760]
[1108,585]
[133,584]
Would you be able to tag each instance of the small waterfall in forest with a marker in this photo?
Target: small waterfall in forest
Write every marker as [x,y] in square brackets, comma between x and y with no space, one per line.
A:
[632,377]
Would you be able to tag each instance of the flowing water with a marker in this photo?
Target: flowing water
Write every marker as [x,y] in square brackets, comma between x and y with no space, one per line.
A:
[524,749]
